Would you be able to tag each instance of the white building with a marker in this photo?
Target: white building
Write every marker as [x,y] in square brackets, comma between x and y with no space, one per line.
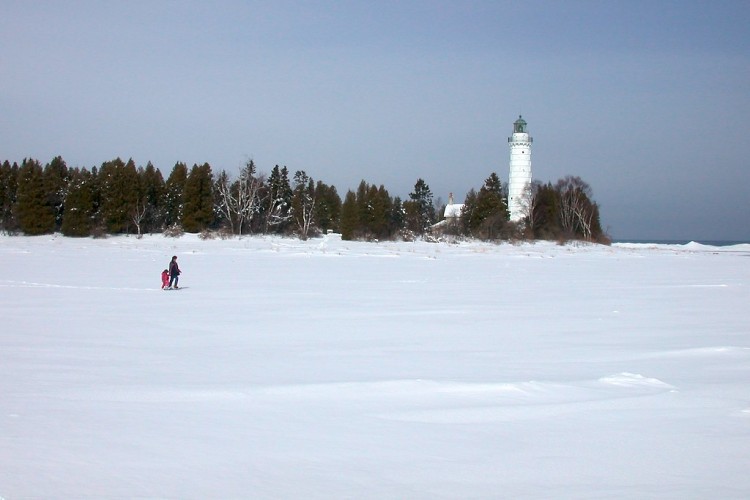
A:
[520,169]
[452,210]
[452,215]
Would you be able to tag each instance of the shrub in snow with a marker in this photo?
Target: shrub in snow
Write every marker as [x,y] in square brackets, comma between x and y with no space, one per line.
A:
[174,231]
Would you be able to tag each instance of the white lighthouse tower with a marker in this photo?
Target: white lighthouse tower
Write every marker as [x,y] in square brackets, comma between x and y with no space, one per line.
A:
[520,169]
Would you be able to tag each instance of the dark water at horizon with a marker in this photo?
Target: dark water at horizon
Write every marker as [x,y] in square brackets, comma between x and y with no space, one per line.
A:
[714,243]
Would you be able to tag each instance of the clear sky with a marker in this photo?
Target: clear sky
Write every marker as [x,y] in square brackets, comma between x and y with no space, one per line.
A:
[647,101]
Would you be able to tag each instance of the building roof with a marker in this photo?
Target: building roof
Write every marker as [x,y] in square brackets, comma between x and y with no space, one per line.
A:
[453,210]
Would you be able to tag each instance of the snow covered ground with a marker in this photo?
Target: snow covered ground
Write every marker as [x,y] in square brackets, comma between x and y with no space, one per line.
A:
[330,369]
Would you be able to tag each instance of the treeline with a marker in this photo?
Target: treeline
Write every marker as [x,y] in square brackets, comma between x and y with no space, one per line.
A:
[120,198]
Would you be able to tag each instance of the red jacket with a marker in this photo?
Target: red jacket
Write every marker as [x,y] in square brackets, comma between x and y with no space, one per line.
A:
[164,279]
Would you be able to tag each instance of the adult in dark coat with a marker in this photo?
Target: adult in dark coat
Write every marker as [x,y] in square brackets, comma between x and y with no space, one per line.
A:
[174,272]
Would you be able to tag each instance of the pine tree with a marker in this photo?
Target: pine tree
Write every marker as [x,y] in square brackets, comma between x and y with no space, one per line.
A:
[119,186]
[490,213]
[422,212]
[174,198]
[8,192]
[79,204]
[198,199]
[364,211]
[381,212]
[96,195]
[327,207]
[597,234]
[397,218]
[32,211]
[349,216]
[278,213]
[545,213]
[153,191]
[55,182]
[467,219]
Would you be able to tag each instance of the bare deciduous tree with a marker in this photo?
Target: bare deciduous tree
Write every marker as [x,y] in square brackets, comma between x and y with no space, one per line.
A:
[584,216]
[239,201]
[527,203]
[279,199]
[225,202]
[138,214]
[576,209]
[303,202]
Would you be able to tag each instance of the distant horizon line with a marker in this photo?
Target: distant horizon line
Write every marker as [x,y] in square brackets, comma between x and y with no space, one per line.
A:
[683,241]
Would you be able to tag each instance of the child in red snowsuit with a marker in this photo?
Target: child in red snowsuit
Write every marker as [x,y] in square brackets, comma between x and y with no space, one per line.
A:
[164,279]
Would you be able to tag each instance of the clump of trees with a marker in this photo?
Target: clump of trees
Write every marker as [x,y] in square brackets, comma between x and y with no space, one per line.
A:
[562,211]
[120,198]
[485,213]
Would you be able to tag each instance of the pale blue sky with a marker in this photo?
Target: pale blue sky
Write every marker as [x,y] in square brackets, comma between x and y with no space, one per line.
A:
[647,101]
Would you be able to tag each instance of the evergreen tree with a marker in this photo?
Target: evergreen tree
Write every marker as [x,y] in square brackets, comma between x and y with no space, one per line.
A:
[364,211]
[327,207]
[468,218]
[119,187]
[278,213]
[99,228]
[198,199]
[545,213]
[420,211]
[597,234]
[303,203]
[153,192]
[377,214]
[32,211]
[491,212]
[8,191]
[79,203]
[174,196]
[55,183]
[412,219]
[349,216]
[382,206]
[396,221]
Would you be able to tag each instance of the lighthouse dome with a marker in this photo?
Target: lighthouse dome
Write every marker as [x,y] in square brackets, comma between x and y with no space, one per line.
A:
[519,126]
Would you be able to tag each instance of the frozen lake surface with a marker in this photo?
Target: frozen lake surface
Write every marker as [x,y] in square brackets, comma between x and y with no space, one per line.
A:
[331,369]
